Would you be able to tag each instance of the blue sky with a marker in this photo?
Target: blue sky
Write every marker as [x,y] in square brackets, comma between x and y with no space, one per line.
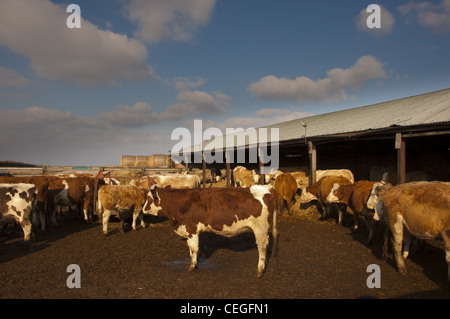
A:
[136,69]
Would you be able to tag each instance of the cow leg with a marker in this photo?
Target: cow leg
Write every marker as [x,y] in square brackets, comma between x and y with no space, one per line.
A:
[192,243]
[87,212]
[262,241]
[397,239]
[137,213]
[42,219]
[26,227]
[325,211]
[122,222]
[340,209]
[105,219]
[355,221]
[53,216]
[406,243]
[386,239]
[371,226]
[446,236]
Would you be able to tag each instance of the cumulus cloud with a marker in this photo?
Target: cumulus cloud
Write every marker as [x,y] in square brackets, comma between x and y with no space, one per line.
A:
[387,21]
[169,19]
[201,102]
[190,103]
[185,83]
[139,114]
[428,14]
[86,56]
[194,103]
[330,89]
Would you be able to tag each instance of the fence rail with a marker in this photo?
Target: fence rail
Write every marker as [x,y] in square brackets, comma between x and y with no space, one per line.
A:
[50,170]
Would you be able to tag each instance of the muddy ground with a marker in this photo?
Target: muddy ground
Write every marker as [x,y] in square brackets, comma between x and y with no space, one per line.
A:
[317,259]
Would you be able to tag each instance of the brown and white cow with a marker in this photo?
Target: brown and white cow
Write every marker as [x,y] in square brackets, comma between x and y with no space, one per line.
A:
[19,200]
[244,177]
[178,181]
[422,207]
[302,178]
[285,188]
[355,196]
[320,190]
[67,191]
[121,199]
[335,172]
[224,211]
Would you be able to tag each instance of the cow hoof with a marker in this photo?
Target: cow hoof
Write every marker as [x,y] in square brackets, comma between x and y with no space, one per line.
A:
[192,268]
[259,274]
[402,270]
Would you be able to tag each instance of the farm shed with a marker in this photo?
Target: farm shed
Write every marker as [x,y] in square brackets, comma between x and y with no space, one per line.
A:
[408,135]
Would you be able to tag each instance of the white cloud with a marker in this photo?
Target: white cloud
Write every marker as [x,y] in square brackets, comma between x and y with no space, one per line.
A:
[87,56]
[202,102]
[330,89]
[387,22]
[435,16]
[184,83]
[191,103]
[194,103]
[139,114]
[169,19]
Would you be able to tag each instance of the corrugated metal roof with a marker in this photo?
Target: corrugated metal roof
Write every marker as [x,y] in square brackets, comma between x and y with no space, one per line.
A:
[424,109]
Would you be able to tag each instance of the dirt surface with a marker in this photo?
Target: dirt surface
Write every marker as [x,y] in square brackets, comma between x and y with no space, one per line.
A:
[317,259]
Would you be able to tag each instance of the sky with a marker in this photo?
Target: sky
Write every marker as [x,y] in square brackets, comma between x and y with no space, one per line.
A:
[136,70]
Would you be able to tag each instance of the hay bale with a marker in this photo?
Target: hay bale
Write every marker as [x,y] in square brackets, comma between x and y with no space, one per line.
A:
[127,160]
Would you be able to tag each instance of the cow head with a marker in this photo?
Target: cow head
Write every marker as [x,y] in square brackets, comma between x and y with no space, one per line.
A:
[152,203]
[306,196]
[336,194]
[378,190]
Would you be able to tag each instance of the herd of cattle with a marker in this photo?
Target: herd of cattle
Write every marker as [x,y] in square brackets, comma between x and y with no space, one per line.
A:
[420,209]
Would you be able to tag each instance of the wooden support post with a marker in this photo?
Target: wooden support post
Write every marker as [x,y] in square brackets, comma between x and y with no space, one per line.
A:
[312,162]
[227,161]
[262,177]
[186,161]
[204,171]
[94,208]
[400,146]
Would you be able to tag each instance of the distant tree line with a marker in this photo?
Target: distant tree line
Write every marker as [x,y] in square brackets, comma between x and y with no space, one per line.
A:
[16,164]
